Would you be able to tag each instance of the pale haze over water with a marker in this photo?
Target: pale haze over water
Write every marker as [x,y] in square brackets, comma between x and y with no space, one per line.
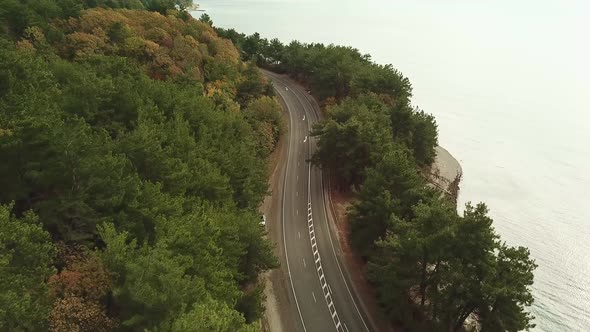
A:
[508,84]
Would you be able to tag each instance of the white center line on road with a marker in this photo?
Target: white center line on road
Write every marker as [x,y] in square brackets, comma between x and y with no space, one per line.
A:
[296,193]
[338,324]
[318,262]
[299,234]
[304,265]
[313,294]
[314,112]
[283,223]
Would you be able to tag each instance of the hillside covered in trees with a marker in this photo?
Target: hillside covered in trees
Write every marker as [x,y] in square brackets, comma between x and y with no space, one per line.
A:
[432,268]
[134,144]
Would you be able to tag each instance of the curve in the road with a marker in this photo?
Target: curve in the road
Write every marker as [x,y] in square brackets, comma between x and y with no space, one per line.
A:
[283,222]
[327,268]
[315,110]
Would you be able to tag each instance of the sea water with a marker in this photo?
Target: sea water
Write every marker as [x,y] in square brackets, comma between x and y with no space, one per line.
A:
[508,84]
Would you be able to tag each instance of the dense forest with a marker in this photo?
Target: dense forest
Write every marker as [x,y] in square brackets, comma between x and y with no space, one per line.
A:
[134,145]
[433,269]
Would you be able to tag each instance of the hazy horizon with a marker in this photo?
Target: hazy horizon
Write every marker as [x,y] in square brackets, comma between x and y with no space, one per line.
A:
[505,82]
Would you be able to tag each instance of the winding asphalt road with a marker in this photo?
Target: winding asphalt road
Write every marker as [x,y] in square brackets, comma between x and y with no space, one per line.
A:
[321,295]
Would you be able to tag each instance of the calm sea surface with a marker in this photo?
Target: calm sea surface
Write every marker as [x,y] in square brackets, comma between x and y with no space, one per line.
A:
[508,84]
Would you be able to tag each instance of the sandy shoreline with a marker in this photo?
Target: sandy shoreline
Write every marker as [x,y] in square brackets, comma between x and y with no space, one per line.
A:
[448,165]
[277,318]
[445,170]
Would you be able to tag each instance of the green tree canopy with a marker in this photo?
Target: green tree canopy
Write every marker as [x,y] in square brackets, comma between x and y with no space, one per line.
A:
[142,139]
[445,267]
[26,255]
[448,268]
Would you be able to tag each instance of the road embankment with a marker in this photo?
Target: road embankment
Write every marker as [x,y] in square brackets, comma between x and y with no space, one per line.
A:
[446,173]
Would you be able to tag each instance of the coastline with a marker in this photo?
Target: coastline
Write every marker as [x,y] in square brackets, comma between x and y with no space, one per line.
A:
[446,172]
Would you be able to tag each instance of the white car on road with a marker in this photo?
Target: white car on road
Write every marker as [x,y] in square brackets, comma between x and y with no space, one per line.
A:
[263,220]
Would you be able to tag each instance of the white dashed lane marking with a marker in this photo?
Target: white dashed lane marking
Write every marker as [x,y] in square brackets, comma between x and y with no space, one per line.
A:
[326,290]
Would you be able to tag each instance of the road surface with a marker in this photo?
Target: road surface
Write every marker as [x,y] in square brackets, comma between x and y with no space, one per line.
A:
[321,296]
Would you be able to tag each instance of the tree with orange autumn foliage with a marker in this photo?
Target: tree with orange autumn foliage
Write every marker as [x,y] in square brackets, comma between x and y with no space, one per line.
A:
[84,275]
[168,45]
[80,290]
[74,314]
[146,124]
